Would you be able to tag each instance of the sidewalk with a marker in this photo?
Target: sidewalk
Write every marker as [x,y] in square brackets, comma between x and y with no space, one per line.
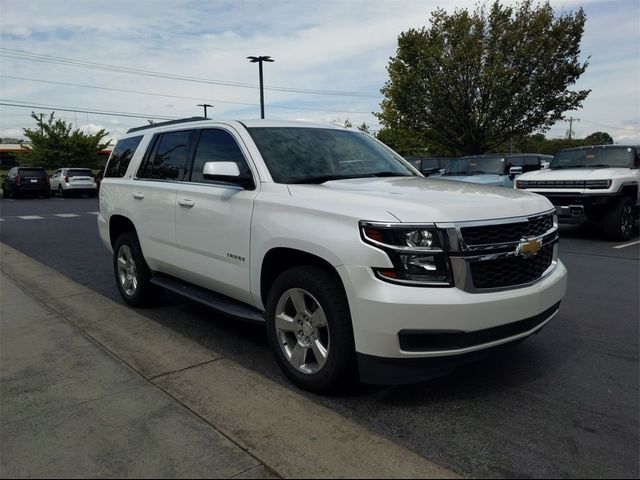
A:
[91,387]
[68,408]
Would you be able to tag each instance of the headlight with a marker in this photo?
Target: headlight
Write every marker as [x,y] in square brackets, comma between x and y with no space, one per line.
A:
[417,253]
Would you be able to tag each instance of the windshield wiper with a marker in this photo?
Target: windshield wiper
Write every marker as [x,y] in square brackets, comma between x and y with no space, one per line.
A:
[319,179]
[390,174]
[562,167]
[327,178]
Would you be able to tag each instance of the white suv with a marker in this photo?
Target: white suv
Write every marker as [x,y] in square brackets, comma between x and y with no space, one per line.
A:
[356,263]
[73,181]
[598,184]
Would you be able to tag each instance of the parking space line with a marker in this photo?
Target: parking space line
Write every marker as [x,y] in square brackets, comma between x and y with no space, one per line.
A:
[31,217]
[66,215]
[625,245]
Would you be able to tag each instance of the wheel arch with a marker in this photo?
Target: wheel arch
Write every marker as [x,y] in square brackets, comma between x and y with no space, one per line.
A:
[280,259]
[630,190]
[119,224]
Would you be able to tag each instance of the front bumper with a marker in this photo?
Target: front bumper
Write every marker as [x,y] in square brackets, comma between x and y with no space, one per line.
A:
[580,207]
[399,371]
[382,313]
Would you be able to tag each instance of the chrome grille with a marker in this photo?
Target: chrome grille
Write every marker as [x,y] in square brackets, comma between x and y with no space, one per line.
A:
[511,271]
[507,232]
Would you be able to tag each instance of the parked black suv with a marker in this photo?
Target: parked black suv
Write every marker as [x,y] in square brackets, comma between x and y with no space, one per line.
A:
[26,181]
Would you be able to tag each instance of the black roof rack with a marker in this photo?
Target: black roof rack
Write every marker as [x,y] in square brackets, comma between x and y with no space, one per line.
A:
[170,122]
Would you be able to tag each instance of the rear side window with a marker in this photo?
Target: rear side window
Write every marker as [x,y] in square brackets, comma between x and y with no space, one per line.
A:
[168,158]
[121,157]
[32,172]
[217,146]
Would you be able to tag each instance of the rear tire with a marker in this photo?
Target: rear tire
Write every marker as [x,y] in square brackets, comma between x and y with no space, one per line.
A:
[310,331]
[132,274]
[620,222]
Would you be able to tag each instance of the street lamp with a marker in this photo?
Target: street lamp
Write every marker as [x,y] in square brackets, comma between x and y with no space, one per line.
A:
[205,105]
[259,60]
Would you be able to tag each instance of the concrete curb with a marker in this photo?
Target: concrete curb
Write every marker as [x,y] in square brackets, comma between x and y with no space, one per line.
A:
[288,432]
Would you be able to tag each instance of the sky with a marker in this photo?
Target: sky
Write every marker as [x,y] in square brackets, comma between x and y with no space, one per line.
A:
[330,60]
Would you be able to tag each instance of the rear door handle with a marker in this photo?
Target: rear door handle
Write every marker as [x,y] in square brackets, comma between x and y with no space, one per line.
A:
[186,203]
[138,196]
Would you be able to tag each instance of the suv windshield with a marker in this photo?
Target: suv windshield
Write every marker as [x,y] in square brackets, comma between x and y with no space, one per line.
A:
[621,157]
[475,166]
[317,155]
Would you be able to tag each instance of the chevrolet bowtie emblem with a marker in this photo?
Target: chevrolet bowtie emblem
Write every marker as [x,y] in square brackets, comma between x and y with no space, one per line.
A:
[529,248]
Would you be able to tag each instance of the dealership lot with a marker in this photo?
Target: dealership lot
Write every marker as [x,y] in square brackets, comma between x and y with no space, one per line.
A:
[564,403]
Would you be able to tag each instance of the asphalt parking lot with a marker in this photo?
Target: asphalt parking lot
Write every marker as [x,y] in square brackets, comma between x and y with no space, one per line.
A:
[565,403]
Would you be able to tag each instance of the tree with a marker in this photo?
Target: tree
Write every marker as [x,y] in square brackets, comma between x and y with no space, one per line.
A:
[472,80]
[598,138]
[364,128]
[55,145]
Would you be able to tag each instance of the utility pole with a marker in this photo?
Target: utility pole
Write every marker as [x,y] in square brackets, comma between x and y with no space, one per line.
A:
[571,120]
[259,60]
[205,105]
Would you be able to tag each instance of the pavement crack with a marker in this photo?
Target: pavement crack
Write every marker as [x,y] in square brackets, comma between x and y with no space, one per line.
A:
[160,375]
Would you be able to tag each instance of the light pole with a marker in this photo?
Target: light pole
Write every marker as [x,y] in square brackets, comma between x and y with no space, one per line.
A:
[259,60]
[205,105]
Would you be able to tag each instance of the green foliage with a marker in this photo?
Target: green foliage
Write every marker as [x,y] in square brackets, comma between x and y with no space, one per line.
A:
[472,80]
[537,143]
[599,138]
[55,145]
[364,128]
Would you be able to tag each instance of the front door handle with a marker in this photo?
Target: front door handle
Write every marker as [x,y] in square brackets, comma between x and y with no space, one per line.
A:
[186,203]
[138,196]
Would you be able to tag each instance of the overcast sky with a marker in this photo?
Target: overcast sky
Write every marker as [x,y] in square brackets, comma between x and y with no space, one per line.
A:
[319,46]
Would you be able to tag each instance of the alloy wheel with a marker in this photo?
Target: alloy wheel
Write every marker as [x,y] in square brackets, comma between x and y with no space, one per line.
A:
[627,220]
[302,331]
[127,274]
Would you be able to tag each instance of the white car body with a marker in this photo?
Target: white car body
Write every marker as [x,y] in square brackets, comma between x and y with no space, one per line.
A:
[62,183]
[588,193]
[218,236]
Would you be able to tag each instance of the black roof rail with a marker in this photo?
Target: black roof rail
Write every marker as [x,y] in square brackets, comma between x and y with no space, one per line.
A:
[170,122]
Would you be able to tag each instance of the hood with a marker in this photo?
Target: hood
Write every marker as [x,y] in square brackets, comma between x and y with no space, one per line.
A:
[417,199]
[576,174]
[483,179]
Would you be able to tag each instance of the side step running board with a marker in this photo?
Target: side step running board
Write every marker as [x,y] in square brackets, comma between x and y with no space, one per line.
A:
[219,302]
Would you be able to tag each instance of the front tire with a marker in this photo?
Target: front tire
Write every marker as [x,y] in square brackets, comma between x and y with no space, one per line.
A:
[310,331]
[132,274]
[619,223]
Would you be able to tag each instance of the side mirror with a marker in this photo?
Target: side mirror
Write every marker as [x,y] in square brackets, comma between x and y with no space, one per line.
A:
[514,172]
[226,172]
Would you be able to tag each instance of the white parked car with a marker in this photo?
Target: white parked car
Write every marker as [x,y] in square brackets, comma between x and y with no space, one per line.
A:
[73,181]
[356,263]
[597,184]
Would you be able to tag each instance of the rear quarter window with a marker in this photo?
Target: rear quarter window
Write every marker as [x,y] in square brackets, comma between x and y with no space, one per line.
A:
[32,172]
[79,173]
[121,157]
